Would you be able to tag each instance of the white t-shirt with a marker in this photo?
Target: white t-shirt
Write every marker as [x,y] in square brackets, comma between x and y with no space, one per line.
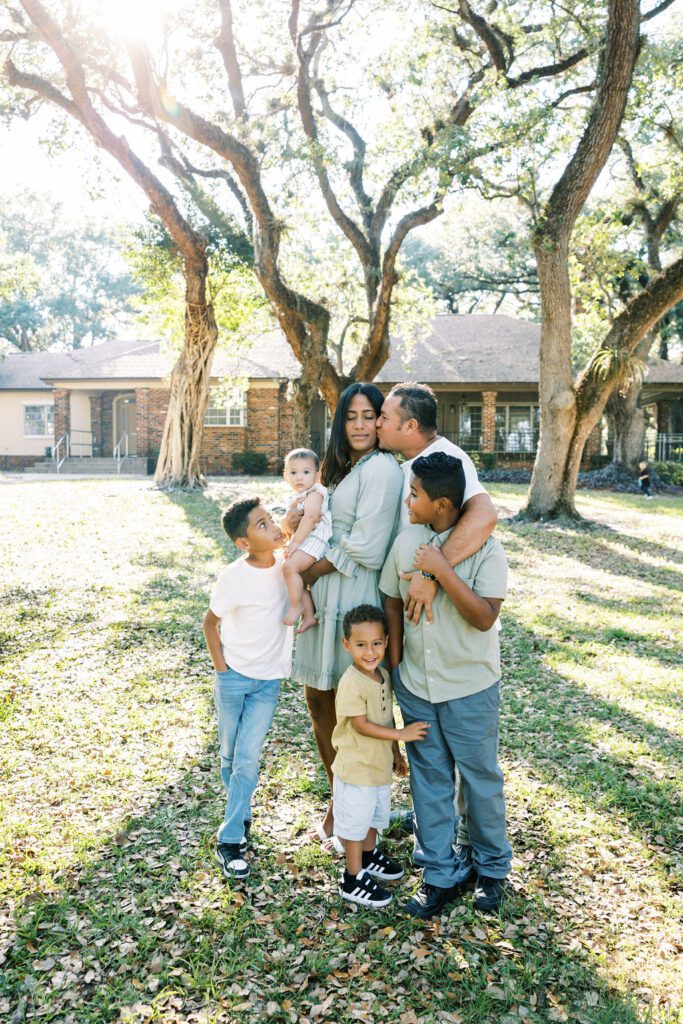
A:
[442,444]
[251,604]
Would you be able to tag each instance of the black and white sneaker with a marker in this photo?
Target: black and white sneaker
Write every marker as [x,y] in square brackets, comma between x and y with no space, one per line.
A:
[488,893]
[244,841]
[377,864]
[230,856]
[363,890]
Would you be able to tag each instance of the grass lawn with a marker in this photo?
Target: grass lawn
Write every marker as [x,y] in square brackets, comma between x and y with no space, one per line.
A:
[112,907]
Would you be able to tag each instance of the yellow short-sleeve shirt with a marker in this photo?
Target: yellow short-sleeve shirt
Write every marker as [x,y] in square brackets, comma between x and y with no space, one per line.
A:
[362,760]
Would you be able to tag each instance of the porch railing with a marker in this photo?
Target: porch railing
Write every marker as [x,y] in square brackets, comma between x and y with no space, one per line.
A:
[81,444]
[520,442]
[664,448]
[60,452]
[121,452]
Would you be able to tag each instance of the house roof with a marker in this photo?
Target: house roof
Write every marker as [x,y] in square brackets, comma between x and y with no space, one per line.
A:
[661,371]
[473,349]
[269,356]
[458,350]
[23,371]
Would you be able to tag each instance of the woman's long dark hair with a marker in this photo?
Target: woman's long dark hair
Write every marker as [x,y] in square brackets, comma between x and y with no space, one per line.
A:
[337,460]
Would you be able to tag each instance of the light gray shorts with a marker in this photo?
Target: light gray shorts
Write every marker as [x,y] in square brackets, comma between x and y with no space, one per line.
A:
[357,809]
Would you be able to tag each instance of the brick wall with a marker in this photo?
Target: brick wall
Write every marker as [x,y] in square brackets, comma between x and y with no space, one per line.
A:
[488,421]
[18,462]
[96,425]
[62,399]
[150,412]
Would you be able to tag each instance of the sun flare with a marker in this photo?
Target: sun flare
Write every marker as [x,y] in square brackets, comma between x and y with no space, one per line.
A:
[135,19]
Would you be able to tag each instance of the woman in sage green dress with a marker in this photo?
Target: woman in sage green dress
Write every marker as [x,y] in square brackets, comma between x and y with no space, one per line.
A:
[365,486]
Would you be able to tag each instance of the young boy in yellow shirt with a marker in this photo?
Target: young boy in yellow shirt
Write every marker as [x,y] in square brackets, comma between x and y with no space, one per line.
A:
[366,741]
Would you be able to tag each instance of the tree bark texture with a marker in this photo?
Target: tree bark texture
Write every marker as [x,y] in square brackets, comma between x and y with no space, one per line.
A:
[562,422]
[179,456]
[179,463]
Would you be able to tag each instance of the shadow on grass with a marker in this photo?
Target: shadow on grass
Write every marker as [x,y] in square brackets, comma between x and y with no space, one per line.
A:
[570,632]
[553,719]
[592,548]
[150,924]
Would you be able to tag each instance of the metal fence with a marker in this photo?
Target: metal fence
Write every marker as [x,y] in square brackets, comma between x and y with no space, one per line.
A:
[519,443]
[664,447]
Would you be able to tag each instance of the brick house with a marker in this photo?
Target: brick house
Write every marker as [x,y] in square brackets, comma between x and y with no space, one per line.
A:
[109,401]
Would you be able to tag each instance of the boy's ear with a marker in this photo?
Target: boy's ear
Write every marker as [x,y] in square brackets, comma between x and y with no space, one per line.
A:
[347,645]
[242,543]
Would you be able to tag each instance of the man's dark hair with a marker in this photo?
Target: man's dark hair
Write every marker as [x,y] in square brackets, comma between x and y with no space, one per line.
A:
[303,453]
[235,519]
[441,476]
[363,613]
[418,402]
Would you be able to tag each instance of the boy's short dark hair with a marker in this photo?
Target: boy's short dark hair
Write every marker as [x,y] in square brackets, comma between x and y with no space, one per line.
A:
[441,476]
[235,519]
[303,453]
[363,613]
[418,402]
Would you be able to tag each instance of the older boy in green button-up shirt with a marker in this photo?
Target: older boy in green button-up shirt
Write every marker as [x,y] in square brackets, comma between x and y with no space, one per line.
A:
[447,673]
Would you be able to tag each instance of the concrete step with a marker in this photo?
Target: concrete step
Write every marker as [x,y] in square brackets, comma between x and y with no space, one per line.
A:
[92,467]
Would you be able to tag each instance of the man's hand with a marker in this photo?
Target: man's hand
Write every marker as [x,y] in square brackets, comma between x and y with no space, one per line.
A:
[419,597]
[431,559]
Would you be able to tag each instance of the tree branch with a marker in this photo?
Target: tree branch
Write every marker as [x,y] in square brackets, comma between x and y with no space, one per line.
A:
[225,44]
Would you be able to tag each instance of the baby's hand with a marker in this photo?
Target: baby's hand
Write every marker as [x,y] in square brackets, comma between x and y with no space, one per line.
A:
[290,549]
[414,731]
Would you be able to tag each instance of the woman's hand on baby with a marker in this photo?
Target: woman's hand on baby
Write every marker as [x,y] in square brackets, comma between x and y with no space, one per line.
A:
[414,731]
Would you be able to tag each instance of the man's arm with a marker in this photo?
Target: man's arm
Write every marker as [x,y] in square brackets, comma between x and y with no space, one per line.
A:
[393,610]
[211,627]
[472,530]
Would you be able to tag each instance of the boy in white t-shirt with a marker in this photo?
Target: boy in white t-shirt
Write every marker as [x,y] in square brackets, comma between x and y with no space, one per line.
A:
[251,651]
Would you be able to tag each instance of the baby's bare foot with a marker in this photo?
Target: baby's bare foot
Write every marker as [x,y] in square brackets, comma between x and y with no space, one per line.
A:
[307,622]
[294,613]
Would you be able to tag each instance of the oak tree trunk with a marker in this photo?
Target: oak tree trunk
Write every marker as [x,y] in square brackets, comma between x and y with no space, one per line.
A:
[627,420]
[179,462]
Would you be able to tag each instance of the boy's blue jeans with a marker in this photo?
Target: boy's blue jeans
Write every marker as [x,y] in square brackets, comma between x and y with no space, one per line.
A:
[462,732]
[245,709]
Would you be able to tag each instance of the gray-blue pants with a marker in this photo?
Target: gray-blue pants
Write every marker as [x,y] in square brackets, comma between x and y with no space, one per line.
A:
[463,733]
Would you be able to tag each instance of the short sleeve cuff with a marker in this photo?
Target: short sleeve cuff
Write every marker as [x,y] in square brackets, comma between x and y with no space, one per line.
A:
[342,562]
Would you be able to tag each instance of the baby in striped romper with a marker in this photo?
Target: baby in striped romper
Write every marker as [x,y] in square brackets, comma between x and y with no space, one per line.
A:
[309,542]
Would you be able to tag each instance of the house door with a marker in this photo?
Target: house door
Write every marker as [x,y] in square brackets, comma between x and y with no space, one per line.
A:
[126,423]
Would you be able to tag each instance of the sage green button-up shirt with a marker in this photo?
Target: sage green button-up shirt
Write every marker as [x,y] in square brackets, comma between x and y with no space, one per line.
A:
[447,658]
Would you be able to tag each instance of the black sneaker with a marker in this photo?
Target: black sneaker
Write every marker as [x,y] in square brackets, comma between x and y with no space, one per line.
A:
[363,890]
[488,893]
[380,866]
[230,856]
[429,900]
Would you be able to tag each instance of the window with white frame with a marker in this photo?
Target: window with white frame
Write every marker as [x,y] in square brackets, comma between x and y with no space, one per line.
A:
[227,410]
[517,428]
[39,420]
